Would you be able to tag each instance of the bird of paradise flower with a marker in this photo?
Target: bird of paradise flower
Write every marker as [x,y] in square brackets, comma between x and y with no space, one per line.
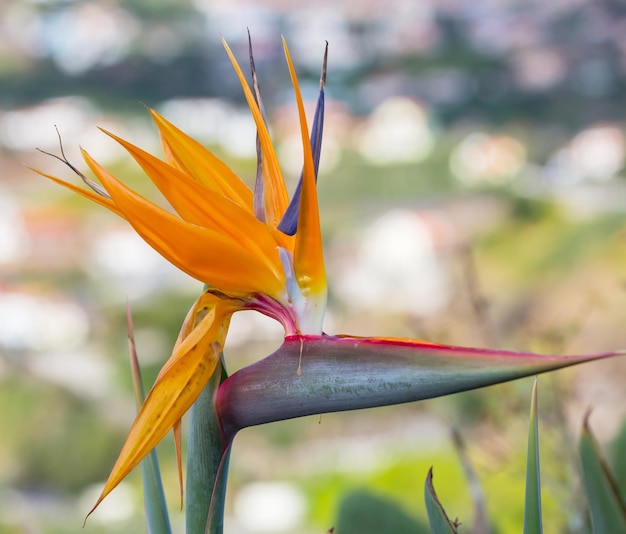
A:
[256,250]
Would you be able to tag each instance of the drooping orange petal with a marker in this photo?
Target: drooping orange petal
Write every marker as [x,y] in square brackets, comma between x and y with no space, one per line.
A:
[191,198]
[202,304]
[308,254]
[188,370]
[205,254]
[179,459]
[275,193]
[87,193]
[190,156]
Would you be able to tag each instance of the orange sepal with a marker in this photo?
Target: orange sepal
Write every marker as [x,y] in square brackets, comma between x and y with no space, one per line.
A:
[308,253]
[190,156]
[203,253]
[87,193]
[177,386]
[191,198]
[179,459]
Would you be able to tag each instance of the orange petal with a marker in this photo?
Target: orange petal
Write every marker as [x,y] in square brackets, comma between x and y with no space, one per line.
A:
[174,391]
[205,254]
[199,205]
[87,193]
[308,254]
[190,156]
[179,459]
[275,193]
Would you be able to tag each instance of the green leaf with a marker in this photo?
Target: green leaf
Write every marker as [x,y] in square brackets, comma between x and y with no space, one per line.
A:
[207,464]
[618,463]
[157,517]
[532,506]
[439,522]
[361,512]
[606,507]
[349,373]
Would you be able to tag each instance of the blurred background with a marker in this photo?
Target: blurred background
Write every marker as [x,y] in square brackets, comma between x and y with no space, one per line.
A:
[472,192]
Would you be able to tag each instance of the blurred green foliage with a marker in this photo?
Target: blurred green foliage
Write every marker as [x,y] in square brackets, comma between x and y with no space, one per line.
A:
[63,447]
[363,512]
[618,458]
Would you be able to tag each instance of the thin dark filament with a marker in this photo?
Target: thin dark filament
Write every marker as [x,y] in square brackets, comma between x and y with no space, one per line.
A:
[96,188]
[259,205]
[318,127]
[324,65]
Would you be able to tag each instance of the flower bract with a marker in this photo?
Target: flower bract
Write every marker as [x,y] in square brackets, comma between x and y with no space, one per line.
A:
[251,249]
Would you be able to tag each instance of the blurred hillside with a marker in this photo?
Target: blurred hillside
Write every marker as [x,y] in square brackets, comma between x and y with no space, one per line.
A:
[489,61]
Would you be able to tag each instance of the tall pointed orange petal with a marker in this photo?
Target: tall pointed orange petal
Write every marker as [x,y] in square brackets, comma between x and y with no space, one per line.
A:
[173,393]
[275,193]
[308,254]
[87,193]
[190,156]
[190,199]
[205,254]
[187,196]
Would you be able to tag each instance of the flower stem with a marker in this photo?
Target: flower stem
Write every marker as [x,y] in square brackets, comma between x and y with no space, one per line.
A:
[205,453]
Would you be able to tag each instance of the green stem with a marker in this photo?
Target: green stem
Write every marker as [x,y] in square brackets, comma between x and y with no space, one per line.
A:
[204,454]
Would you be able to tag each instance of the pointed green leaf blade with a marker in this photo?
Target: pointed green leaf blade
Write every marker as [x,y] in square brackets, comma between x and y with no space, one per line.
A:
[606,507]
[532,506]
[618,458]
[437,517]
[207,464]
[320,374]
[157,517]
